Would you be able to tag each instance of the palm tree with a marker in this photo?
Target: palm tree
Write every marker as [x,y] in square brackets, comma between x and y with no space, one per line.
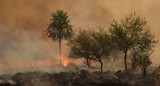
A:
[59,27]
[143,62]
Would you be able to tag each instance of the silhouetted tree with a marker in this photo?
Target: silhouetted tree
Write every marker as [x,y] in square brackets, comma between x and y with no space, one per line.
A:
[80,44]
[59,27]
[92,45]
[146,45]
[129,33]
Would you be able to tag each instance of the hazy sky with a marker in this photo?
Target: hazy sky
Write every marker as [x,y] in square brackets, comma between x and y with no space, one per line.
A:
[23,21]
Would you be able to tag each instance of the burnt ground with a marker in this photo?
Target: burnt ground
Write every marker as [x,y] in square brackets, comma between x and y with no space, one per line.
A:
[81,78]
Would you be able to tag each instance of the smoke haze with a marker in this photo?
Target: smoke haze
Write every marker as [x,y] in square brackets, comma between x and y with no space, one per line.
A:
[22,23]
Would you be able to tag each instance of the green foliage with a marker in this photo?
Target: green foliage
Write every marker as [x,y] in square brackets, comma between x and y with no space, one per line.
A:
[59,27]
[147,42]
[101,44]
[126,34]
[80,44]
[143,60]
[132,33]
[91,44]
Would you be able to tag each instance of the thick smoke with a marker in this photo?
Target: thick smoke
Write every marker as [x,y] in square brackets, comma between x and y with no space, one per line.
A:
[22,23]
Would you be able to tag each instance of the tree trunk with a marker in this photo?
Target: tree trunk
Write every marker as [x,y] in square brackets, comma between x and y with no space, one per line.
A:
[60,46]
[144,71]
[125,60]
[101,66]
[88,62]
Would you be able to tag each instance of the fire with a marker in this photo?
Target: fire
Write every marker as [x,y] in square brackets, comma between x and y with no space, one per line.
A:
[49,61]
[48,33]
[64,60]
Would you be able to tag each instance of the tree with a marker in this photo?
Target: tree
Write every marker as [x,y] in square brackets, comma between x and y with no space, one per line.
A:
[145,45]
[92,45]
[59,27]
[101,46]
[128,33]
[80,44]
[143,62]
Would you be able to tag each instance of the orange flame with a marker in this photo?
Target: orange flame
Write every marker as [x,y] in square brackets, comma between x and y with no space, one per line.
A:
[48,33]
[64,60]
[31,63]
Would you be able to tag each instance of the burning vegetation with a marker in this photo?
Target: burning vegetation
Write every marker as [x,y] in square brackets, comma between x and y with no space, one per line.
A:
[130,37]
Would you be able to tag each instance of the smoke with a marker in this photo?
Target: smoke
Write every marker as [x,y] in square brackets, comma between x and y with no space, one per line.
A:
[22,23]
[24,48]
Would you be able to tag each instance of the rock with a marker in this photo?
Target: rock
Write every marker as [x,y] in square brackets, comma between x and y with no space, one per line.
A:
[118,73]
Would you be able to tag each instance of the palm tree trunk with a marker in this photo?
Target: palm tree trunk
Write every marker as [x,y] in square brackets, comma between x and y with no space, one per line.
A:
[60,46]
[125,60]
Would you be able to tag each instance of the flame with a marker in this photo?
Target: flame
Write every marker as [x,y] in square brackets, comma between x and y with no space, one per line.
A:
[48,33]
[49,61]
[64,60]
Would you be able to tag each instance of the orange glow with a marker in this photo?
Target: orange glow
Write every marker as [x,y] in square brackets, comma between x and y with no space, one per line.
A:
[64,60]
[48,61]
[48,33]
